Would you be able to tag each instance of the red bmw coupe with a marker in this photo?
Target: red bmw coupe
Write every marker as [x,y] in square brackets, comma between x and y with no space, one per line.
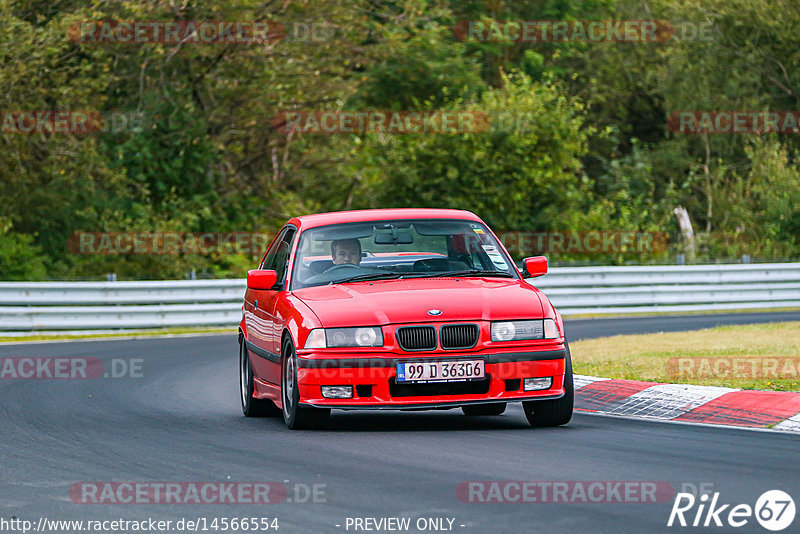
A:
[398,309]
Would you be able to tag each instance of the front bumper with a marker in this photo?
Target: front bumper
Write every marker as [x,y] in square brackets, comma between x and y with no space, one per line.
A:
[374,383]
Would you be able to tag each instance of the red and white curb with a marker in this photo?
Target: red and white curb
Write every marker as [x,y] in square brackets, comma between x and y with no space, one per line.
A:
[779,410]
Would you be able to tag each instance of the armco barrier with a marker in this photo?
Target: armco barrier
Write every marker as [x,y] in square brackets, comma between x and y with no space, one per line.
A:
[672,288]
[103,305]
[574,290]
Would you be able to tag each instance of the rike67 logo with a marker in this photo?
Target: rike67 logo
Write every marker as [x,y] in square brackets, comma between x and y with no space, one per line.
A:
[774,510]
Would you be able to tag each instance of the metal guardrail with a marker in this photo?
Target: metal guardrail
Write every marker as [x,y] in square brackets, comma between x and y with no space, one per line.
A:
[672,288]
[34,306]
[104,305]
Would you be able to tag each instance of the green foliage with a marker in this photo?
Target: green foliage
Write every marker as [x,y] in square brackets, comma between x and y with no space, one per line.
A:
[579,139]
[20,259]
[520,174]
[430,67]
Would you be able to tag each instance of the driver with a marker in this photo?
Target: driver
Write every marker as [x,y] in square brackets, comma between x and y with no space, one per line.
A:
[346,251]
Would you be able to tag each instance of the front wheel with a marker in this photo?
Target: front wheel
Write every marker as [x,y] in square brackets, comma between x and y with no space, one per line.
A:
[252,407]
[554,412]
[297,417]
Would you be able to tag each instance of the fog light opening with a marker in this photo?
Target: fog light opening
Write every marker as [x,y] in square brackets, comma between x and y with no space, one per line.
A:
[536,384]
[337,392]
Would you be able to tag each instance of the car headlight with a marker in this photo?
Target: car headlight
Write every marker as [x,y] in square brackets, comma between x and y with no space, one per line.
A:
[522,330]
[365,336]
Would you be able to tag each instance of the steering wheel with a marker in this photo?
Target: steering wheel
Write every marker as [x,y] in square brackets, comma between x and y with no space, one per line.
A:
[340,266]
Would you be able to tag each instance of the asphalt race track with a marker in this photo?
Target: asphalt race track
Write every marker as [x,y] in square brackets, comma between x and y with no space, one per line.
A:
[180,421]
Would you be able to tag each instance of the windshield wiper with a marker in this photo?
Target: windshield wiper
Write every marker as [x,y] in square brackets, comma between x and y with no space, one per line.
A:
[471,272]
[369,276]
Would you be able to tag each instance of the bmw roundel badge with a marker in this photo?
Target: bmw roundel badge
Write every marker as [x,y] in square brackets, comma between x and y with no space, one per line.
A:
[434,312]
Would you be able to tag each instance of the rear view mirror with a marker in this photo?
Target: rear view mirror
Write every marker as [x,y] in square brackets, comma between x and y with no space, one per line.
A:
[536,265]
[395,237]
[261,279]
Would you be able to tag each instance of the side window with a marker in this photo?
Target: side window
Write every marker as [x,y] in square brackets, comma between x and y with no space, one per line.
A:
[279,260]
[269,257]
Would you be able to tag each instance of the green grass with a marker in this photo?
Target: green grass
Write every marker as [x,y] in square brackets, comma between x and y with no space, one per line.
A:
[668,313]
[762,356]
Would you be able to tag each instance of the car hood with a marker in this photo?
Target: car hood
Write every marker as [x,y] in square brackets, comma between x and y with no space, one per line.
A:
[385,302]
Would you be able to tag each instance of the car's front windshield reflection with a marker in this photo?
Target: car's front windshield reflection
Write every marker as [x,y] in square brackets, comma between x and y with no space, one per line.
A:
[398,248]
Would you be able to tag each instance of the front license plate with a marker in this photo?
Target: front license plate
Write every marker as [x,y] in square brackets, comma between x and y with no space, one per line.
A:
[448,371]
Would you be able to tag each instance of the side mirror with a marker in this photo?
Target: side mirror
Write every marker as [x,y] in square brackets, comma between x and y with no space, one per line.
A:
[536,265]
[261,279]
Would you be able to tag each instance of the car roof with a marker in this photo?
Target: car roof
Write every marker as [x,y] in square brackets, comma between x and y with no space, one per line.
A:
[338,217]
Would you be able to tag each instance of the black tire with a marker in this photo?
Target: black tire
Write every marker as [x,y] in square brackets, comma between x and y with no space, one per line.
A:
[252,407]
[554,412]
[493,408]
[297,417]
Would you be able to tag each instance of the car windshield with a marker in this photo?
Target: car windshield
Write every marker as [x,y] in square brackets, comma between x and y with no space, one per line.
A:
[378,250]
